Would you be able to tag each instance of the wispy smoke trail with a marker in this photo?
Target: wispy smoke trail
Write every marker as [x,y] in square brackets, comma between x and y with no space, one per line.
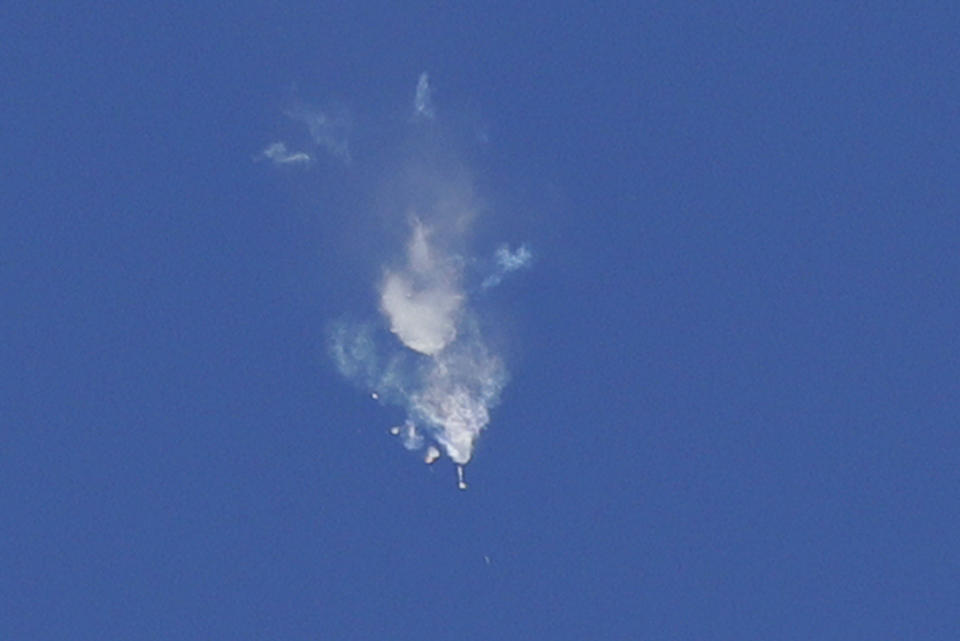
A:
[506,262]
[277,152]
[422,100]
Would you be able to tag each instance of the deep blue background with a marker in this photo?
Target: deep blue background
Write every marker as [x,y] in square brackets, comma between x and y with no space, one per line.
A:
[736,365]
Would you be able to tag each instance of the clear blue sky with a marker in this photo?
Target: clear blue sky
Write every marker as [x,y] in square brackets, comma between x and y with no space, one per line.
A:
[735,392]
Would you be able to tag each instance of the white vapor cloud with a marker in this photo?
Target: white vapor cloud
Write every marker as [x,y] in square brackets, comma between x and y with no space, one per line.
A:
[506,262]
[277,152]
[423,99]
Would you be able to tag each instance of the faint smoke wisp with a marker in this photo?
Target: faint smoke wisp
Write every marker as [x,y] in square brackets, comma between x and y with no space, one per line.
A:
[277,152]
[329,130]
[506,262]
[422,100]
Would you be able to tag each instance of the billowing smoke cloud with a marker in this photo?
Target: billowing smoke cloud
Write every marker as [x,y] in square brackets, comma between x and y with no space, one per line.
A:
[423,301]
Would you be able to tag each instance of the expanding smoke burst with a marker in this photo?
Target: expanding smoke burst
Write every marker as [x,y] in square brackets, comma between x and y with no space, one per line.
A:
[442,371]
[428,355]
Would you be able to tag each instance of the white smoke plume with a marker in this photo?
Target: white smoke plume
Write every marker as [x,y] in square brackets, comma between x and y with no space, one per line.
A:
[423,301]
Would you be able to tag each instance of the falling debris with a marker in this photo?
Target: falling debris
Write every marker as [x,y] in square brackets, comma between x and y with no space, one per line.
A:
[460,482]
[409,435]
[486,559]
[432,455]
